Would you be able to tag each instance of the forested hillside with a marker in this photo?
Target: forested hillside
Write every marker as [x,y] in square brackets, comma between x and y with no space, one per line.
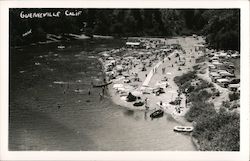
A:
[221,27]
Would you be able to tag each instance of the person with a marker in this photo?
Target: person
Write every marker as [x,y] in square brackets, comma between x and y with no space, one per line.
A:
[161,103]
[103,90]
[89,91]
[101,96]
[146,101]
[163,70]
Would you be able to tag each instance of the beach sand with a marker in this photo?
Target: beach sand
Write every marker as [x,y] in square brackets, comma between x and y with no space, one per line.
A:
[171,93]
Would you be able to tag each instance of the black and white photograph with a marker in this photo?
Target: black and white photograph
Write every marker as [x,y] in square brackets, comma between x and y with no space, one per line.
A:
[125,79]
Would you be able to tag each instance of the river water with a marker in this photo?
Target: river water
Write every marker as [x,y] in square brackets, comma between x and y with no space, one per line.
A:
[47,115]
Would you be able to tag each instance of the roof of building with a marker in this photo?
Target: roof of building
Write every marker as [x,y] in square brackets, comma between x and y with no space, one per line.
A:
[133,43]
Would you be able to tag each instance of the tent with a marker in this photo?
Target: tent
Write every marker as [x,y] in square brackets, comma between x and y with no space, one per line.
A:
[116,86]
[223,80]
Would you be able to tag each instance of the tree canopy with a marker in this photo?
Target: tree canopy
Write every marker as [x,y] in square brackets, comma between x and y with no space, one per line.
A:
[220,26]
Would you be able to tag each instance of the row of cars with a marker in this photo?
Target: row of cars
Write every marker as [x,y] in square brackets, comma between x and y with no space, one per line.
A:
[222,71]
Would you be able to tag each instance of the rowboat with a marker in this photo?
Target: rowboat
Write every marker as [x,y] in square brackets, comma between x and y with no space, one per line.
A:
[60,47]
[183,128]
[157,113]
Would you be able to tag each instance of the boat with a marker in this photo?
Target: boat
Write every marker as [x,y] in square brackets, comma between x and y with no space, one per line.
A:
[61,47]
[157,113]
[102,85]
[183,128]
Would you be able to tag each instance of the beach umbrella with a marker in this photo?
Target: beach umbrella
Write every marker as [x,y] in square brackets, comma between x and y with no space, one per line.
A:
[168,73]
[121,89]
[117,86]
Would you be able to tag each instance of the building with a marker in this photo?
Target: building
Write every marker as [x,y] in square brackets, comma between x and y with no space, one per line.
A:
[133,44]
[200,47]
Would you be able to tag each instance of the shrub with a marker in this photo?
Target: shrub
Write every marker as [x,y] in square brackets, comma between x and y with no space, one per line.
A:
[234,96]
[179,80]
[227,138]
[203,84]
[199,109]
[200,96]
[218,131]
[226,104]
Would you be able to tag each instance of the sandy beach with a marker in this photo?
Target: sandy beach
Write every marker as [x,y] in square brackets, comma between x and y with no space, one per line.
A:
[161,72]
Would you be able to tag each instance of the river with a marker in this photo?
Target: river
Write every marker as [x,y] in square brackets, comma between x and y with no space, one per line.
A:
[47,114]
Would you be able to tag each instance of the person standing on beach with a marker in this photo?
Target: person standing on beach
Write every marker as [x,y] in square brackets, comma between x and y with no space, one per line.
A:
[163,70]
[146,103]
[89,91]
[103,90]
[101,96]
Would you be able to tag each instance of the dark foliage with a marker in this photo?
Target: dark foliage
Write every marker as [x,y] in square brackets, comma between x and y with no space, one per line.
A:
[180,80]
[220,131]
[221,27]
[215,131]
[234,96]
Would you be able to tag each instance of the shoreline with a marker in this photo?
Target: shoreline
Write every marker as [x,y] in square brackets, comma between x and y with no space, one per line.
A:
[170,92]
[189,57]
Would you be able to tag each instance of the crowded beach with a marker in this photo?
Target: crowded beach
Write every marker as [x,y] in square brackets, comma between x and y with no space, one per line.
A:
[140,75]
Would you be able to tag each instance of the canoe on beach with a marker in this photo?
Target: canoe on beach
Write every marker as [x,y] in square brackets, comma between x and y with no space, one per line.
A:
[102,85]
[157,113]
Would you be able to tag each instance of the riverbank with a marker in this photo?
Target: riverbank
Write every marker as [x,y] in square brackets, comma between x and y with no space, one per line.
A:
[141,72]
[52,38]
[68,118]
